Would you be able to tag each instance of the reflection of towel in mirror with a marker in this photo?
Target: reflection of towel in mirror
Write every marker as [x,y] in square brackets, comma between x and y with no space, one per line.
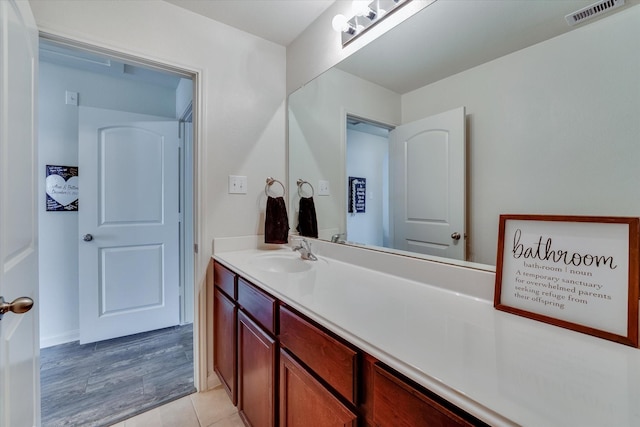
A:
[307,221]
[276,222]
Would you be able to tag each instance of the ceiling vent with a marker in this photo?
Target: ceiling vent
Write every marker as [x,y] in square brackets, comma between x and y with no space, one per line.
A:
[592,11]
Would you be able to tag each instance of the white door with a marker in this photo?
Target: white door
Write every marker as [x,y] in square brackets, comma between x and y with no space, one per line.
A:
[128,223]
[427,171]
[19,340]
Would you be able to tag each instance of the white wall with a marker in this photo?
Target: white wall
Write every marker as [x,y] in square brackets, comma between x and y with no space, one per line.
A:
[368,157]
[184,96]
[58,145]
[552,129]
[317,138]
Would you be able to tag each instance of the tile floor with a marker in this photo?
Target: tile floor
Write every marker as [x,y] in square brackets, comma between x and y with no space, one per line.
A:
[212,408]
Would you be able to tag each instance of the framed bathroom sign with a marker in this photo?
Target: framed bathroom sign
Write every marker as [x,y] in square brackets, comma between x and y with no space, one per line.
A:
[357,194]
[62,188]
[576,272]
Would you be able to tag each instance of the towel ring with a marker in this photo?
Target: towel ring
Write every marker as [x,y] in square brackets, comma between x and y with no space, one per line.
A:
[270,182]
[302,182]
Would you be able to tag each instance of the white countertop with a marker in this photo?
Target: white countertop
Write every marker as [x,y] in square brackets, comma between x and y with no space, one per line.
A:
[502,368]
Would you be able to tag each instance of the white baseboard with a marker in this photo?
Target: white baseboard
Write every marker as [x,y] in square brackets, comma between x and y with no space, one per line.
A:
[59,339]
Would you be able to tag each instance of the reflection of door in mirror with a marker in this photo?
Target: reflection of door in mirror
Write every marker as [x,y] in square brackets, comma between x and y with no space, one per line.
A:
[427,173]
[416,202]
[368,157]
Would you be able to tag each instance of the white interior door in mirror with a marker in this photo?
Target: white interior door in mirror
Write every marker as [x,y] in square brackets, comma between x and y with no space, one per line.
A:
[128,223]
[427,171]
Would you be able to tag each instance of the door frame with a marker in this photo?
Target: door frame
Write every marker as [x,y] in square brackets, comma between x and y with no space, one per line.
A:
[199,301]
[345,114]
[387,203]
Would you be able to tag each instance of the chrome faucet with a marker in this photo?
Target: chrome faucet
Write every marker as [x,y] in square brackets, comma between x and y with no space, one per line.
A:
[305,250]
[336,238]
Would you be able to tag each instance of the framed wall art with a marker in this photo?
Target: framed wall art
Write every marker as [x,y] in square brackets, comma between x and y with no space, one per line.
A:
[575,272]
[62,188]
[357,194]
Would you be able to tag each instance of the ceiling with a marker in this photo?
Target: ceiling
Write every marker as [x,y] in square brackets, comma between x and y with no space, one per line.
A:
[279,21]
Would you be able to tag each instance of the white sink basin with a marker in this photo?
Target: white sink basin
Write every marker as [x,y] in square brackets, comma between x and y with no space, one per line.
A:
[281,263]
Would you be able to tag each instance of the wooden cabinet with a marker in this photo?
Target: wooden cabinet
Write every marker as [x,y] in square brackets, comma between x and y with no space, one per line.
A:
[305,402]
[225,328]
[256,374]
[224,344]
[330,359]
[396,403]
[259,305]
[225,280]
[308,376]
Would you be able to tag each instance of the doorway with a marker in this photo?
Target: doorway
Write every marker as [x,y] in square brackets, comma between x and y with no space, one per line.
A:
[368,182]
[72,77]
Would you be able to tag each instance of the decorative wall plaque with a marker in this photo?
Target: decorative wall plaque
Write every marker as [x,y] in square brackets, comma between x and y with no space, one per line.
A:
[62,188]
[576,272]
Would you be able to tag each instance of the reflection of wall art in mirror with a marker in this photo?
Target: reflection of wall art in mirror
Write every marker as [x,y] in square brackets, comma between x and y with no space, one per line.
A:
[357,194]
[576,272]
[62,188]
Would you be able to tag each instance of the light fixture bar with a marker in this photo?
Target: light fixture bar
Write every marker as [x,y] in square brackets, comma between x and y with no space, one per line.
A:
[366,15]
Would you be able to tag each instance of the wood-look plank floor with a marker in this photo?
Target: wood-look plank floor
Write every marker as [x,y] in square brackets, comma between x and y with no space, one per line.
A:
[103,383]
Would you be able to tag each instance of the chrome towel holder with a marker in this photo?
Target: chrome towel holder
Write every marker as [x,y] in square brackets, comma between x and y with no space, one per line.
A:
[270,182]
[302,182]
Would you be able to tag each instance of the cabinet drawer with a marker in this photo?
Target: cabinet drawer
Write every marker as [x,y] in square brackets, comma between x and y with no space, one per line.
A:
[225,279]
[257,304]
[330,359]
[398,404]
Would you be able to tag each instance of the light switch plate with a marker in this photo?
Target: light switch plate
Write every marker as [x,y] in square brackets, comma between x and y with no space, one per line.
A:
[71,98]
[323,188]
[237,184]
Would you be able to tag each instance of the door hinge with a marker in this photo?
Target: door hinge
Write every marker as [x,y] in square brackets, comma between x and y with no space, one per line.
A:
[195,248]
[180,217]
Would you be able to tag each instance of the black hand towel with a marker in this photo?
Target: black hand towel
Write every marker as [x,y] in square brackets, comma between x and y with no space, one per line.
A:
[307,221]
[276,222]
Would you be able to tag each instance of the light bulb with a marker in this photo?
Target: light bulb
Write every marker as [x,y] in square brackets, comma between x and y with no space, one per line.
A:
[361,7]
[340,23]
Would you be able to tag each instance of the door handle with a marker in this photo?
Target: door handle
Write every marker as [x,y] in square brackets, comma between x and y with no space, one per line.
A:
[455,236]
[87,237]
[18,305]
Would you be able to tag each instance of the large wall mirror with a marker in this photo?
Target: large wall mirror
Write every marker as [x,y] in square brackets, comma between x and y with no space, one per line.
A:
[550,117]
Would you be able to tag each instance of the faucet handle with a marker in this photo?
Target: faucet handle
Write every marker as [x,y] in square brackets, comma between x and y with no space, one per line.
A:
[336,237]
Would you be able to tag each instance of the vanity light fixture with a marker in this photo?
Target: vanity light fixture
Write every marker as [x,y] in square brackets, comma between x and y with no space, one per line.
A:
[366,13]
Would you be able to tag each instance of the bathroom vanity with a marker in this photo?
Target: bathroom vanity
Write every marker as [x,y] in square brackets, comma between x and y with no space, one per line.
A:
[358,338]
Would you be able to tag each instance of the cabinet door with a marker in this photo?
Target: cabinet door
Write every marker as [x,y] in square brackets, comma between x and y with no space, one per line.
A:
[256,372]
[398,404]
[305,402]
[224,341]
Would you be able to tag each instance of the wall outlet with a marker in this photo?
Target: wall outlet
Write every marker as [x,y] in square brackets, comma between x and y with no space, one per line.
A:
[323,188]
[237,184]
